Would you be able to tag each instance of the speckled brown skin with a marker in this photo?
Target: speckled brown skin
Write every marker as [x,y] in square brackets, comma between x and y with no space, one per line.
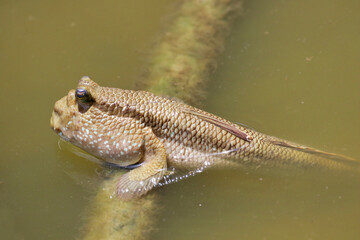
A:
[125,127]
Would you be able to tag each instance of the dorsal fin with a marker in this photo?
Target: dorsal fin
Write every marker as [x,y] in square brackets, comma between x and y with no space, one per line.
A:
[219,123]
[332,156]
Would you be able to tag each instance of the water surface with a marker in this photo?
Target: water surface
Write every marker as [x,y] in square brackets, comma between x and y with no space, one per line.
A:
[289,70]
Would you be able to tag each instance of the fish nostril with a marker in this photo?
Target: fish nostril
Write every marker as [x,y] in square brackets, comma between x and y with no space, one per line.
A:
[58,108]
[58,111]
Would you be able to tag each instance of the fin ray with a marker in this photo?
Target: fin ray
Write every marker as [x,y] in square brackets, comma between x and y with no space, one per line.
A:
[219,123]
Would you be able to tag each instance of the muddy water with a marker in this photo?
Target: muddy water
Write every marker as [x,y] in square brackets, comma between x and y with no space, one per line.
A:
[290,69]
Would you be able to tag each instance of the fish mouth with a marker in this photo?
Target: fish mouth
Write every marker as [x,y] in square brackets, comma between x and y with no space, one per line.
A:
[55,125]
[55,122]
[60,115]
[58,131]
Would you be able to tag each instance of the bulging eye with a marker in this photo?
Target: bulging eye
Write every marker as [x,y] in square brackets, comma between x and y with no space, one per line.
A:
[84,99]
[81,93]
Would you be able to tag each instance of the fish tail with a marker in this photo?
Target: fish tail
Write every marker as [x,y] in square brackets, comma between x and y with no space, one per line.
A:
[308,156]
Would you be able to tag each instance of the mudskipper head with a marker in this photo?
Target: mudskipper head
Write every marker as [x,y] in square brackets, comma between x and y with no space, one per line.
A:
[72,112]
[90,118]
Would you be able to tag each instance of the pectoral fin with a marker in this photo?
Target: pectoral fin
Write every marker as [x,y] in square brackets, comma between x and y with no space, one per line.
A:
[139,181]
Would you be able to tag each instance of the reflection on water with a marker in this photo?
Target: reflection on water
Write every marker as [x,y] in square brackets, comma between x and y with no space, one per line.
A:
[289,70]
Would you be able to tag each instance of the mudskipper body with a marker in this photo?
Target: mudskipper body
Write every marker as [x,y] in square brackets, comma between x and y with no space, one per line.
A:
[154,134]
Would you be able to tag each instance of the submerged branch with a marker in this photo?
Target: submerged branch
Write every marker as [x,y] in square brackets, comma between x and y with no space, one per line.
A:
[112,219]
[185,55]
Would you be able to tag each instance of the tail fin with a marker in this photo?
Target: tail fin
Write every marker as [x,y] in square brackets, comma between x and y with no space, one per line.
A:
[331,156]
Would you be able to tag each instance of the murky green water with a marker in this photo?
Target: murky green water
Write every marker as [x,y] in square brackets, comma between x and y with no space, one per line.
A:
[290,70]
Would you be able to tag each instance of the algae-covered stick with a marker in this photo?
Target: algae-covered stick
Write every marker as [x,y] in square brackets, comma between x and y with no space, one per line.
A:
[112,219]
[185,54]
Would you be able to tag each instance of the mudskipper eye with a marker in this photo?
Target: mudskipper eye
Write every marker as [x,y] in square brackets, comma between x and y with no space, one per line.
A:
[84,99]
[81,93]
